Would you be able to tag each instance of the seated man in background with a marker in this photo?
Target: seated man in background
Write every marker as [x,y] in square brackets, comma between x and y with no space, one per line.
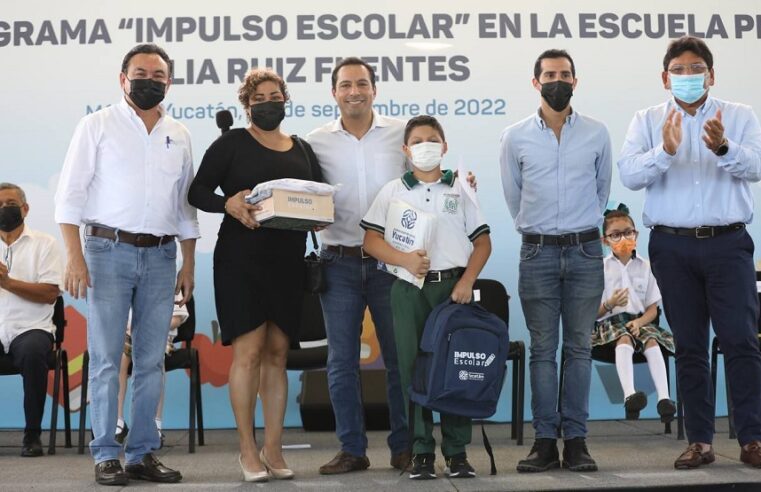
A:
[30,282]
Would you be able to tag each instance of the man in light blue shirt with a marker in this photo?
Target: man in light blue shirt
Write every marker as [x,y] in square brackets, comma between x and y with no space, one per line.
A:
[556,170]
[696,156]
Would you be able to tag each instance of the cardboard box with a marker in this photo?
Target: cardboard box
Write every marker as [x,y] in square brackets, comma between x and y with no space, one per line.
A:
[295,210]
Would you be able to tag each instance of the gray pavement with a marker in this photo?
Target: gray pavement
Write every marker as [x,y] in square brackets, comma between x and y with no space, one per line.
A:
[630,455]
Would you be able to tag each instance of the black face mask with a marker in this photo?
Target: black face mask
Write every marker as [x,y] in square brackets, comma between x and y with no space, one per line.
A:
[146,93]
[268,115]
[10,218]
[557,94]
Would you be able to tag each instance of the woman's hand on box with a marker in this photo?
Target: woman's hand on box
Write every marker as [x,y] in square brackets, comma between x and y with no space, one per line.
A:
[237,207]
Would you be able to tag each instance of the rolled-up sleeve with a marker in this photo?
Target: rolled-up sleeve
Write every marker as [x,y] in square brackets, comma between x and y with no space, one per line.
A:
[187,215]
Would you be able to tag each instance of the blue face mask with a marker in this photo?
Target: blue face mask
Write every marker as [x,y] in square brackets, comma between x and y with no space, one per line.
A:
[688,88]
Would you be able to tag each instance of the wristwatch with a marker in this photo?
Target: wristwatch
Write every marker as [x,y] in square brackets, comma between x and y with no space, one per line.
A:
[722,149]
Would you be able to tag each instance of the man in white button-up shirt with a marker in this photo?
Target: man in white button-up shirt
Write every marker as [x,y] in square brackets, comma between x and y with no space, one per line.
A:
[126,178]
[30,281]
[362,151]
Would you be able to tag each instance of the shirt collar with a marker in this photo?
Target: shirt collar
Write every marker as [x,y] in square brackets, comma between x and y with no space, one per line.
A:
[447,178]
[25,232]
[570,119]
[124,105]
[378,121]
[704,108]
[633,259]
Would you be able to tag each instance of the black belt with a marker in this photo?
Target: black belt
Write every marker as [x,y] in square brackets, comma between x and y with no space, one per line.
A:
[570,239]
[702,232]
[135,239]
[439,275]
[353,251]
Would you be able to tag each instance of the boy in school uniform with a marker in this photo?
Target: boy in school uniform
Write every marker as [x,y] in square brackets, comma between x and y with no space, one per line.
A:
[459,250]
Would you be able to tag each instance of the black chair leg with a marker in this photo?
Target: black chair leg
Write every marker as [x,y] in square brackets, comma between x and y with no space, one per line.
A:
[66,399]
[83,402]
[514,403]
[521,392]
[679,414]
[714,371]
[192,418]
[199,402]
[54,403]
[730,406]
[667,427]
[560,384]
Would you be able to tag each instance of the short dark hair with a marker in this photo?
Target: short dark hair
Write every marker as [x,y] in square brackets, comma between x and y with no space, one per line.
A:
[687,43]
[616,214]
[147,49]
[423,120]
[352,60]
[553,54]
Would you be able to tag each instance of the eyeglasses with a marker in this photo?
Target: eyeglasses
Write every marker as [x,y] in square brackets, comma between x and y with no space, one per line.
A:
[695,68]
[615,237]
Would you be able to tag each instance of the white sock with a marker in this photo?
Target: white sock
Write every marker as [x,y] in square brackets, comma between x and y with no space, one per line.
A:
[658,371]
[625,368]
[158,424]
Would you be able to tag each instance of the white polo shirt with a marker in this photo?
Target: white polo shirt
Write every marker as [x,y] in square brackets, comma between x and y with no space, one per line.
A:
[458,218]
[361,166]
[34,257]
[117,174]
[635,276]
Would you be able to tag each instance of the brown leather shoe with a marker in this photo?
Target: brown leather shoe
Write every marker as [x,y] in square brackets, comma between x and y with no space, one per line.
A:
[693,457]
[752,456]
[402,461]
[345,463]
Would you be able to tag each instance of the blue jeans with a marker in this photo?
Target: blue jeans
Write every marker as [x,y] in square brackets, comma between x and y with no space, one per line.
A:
[352,285]
[555,282]
[123,277]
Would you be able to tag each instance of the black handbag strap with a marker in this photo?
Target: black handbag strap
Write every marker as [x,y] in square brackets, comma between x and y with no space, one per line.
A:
[300,143]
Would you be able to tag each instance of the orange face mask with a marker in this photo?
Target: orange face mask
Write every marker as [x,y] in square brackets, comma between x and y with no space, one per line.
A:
[624,247]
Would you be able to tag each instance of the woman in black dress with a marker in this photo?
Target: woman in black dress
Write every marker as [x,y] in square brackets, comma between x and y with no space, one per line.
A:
[258,271]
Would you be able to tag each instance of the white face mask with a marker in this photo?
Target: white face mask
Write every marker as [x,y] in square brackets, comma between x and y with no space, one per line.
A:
[426,155]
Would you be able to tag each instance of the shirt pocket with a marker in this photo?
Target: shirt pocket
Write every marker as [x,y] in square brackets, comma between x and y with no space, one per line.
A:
[169,155]
[639,284]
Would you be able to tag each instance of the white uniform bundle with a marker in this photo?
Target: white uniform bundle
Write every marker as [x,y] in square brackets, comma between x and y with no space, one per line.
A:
[264,190]
[407,229]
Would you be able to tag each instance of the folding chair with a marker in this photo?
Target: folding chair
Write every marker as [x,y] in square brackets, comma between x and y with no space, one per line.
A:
[185,357]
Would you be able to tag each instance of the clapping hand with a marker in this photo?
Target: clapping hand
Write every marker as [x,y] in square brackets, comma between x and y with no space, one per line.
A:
[714,132]
[672,132]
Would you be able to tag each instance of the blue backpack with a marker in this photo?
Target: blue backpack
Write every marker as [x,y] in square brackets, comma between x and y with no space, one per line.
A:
[460,366]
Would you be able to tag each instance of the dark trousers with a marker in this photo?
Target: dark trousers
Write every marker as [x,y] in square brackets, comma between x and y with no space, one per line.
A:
[714,280]
[30,352]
